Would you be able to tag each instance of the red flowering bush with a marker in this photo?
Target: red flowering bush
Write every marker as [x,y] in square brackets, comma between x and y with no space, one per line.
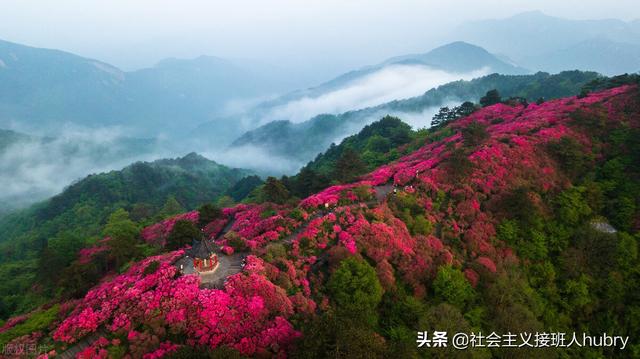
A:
[158,233]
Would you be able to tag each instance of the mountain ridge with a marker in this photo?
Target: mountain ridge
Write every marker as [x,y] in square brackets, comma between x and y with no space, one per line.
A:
[300,142]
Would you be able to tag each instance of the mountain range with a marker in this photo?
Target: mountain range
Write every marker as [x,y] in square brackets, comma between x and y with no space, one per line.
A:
[213,106]
[542,42]
[393,79]
[43,89]
[298,143]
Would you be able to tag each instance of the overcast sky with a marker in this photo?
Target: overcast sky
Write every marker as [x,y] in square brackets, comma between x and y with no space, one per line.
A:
[337,34]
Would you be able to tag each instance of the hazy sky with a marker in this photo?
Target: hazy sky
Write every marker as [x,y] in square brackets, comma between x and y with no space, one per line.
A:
[336,34]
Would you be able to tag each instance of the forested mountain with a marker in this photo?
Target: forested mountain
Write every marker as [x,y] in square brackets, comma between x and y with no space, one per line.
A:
[300,142]
[148,190]
[517,217]
[42,88]
[460,57]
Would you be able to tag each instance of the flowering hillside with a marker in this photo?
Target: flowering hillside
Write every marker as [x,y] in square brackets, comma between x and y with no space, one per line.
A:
[484,227]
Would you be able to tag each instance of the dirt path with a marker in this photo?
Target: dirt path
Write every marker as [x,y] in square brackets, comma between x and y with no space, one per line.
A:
[382,192]
[227,227]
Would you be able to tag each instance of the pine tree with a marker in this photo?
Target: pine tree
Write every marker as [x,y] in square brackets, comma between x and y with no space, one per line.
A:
[122,232]
[274,191]
[171,207]
[491,98]
[182,234]
[207,213]
[349,166]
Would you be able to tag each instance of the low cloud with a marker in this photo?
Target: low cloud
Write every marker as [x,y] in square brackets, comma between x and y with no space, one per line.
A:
[38,168]
[255,158]
[393,82]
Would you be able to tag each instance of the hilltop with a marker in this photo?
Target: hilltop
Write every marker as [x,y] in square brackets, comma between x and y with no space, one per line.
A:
[494,223]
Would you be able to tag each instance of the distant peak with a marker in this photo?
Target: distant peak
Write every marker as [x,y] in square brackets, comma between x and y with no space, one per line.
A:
[194,157]
[533,14]
[459,45]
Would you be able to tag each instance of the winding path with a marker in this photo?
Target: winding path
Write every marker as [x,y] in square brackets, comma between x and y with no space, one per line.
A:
[231,264]
[81,345]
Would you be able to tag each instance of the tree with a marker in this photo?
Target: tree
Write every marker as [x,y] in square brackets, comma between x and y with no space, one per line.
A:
[378,144]
[333,335]
[492,97]
[447,318]
[225,202]
[452,287]
[571,156]
[182,234]
[243,188]
[465,109]
[122,232]
[308,181]
[171,207]
[447,114]
[78,278]
[349,166]
[207,213]
[141,211]
[443,116]
[274,191]
[58,253]
[355,289]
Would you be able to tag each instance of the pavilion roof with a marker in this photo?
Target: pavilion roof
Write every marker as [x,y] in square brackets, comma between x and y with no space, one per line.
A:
[200,249]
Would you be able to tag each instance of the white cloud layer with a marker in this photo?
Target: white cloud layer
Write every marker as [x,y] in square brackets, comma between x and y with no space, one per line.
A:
[394,82]
[34,170]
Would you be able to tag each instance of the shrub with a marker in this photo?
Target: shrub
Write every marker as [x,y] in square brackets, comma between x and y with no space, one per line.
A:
[474,134]
[38,321]
[182,234]
[363,193]
[235,241]
[275,251]
[570,155]
[355,288]
[151,268]
[421,226]
[492,97]
[207,214]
